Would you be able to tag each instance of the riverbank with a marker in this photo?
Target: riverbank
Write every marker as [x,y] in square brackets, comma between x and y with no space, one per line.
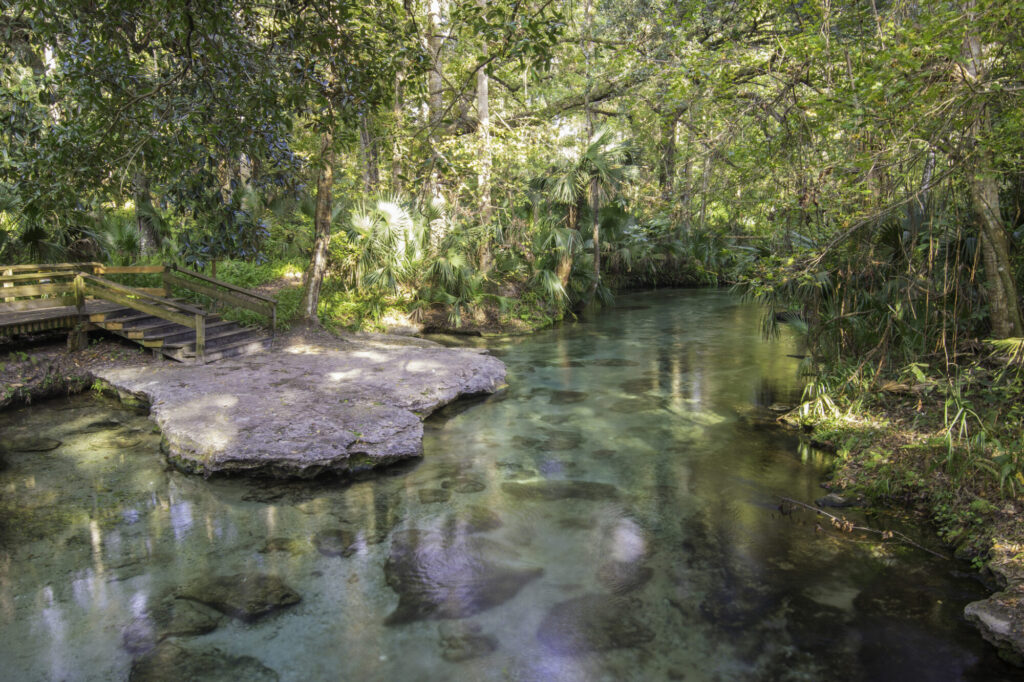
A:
[898,446]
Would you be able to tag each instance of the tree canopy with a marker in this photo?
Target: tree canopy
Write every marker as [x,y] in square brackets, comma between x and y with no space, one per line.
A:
[860,163]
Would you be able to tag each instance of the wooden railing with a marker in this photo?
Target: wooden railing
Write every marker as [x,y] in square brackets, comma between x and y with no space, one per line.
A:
[35,287]
[223,292]
[29,287]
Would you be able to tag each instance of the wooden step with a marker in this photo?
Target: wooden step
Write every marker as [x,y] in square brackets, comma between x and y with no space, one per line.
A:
[186,335]
[220,340]
[239,349]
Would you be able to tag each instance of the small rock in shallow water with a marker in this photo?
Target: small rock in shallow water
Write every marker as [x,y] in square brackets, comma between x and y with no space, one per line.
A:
[464,641]
[170,662]
[438,578]
[247,597]
[593,622]
[465,485]
[477,519]
[174,618]
[836,501]
[621,577]
[550,491]
[102,425]
[335,542]
[567,397]
[289,545]
[432,495]
[31,444]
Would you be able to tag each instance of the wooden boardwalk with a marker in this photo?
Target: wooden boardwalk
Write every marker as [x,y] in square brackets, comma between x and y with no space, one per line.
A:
[47,319]
[73,297]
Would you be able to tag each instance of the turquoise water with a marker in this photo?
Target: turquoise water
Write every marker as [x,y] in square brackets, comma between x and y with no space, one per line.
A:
[612,515]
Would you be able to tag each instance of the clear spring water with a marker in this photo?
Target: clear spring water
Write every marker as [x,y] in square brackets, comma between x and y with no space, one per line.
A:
[612,515]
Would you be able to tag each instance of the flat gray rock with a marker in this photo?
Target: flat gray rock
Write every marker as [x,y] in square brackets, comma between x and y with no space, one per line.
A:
[1000,618]
[306,409]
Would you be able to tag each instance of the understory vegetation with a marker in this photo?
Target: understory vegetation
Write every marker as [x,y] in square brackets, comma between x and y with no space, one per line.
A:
[857,168]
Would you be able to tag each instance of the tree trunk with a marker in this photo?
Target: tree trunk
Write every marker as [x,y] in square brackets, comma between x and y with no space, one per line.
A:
[434,43]
[484,177]
[1004,308]
[321,229]
[396,150]
[705,181]
[149,238]
[594,206]
[667,168]
[371,173]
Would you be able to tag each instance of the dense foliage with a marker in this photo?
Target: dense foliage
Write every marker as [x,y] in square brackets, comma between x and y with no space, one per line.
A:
[858,166]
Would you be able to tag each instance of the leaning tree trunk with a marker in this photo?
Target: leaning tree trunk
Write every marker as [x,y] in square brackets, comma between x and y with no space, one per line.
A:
[1004,308]
[321,229]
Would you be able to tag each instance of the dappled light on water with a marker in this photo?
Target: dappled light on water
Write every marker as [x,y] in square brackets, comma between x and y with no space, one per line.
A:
[613,514]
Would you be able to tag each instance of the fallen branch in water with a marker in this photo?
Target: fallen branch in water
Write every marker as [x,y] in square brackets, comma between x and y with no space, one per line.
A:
[848,526]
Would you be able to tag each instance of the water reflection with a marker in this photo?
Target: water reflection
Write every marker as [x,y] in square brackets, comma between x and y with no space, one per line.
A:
[611,515]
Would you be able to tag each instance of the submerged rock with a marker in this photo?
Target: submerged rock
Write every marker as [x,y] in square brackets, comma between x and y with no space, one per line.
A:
[614,362]
[247,597]
[476,519]
[289,545]
[465,484]
[592,622]
[437,577]
[173,618]
[303,411]
[838,501]
[465,641]
[335,542]
[432,495]
[171,662]
[550,491]
[620,577]
[1000,618]
[30,444]
[102,425]
[568,397]
[562,440]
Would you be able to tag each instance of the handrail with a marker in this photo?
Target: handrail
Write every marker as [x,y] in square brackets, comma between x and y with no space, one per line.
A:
[221,283]
[263,305]
[142,294]
[118,293]
[40,267]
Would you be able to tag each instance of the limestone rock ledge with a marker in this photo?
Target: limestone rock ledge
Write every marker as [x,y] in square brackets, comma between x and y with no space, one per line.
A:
[307,408]
[1000,618]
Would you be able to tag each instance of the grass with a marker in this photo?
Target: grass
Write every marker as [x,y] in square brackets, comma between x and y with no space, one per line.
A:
[949,447]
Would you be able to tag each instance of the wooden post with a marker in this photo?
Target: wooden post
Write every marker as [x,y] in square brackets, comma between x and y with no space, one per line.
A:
[77,338]
[8,271]
[200,338]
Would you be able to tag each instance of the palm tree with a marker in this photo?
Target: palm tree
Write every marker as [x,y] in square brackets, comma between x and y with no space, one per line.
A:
[599,171]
